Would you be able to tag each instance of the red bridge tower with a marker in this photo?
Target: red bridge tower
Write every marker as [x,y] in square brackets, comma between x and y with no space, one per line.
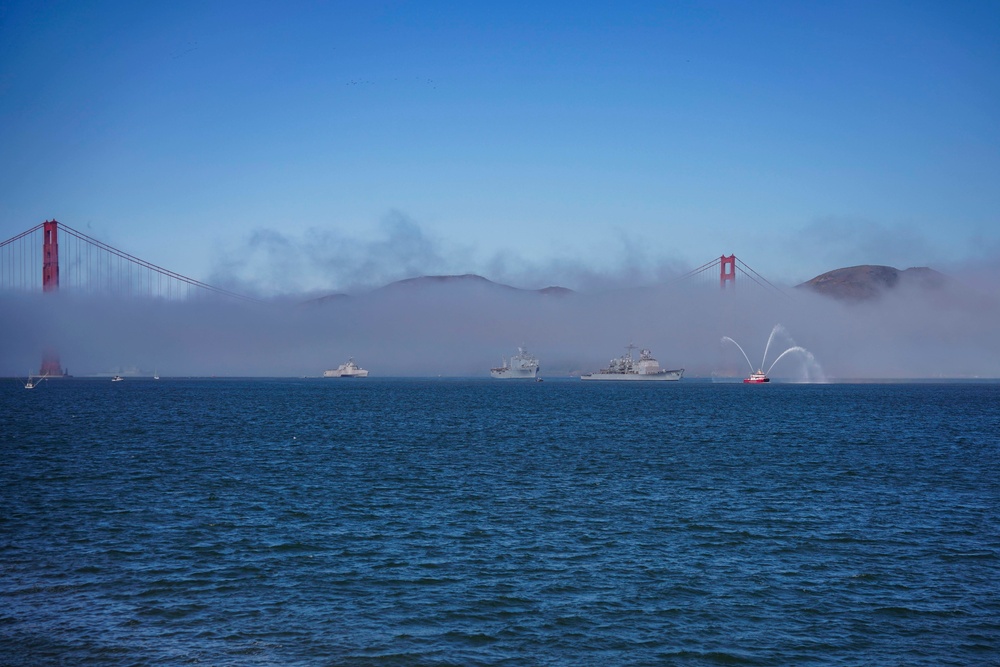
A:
[727,271]
[50,256]
[50,283]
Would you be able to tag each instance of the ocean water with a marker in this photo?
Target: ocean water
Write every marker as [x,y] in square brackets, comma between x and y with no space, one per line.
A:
[477,522]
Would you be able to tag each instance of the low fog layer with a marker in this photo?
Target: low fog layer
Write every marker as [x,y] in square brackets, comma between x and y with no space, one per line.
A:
[271,262]
[462,328]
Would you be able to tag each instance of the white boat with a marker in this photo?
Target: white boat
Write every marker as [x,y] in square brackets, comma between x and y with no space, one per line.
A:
[522,366]
[627,368]
[117,378]
[348,370]
[31,384]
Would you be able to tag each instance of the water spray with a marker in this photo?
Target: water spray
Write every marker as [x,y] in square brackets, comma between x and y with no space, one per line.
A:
[725,338]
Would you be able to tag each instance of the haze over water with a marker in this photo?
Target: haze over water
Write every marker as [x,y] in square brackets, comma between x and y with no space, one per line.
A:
[463,327]
[477,522]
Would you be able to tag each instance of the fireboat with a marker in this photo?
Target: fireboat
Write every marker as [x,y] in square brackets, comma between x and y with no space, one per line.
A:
[757,378]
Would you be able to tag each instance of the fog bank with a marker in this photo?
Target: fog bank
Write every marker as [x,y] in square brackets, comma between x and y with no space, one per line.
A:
[460,328]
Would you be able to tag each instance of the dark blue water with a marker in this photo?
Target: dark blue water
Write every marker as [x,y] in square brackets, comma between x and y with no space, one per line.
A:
[454,522]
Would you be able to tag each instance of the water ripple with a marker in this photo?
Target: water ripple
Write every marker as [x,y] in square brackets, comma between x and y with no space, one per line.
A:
[477,523]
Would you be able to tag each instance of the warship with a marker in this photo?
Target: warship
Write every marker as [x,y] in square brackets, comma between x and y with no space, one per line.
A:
[522,366]
[348,370]
[627,368]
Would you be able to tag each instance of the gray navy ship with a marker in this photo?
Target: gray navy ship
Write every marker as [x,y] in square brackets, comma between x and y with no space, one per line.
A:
[646,368]
[522,366]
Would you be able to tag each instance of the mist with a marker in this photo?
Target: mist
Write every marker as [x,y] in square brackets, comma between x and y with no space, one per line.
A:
[271,263]
[462,327]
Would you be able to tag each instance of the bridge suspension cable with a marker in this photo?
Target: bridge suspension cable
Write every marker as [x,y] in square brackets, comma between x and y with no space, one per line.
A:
[726,270]
[758,279]
[84,264]
[20,262]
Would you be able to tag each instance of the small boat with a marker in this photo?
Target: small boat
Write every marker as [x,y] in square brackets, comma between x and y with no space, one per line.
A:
[31,384]
[117,378]
[757,378]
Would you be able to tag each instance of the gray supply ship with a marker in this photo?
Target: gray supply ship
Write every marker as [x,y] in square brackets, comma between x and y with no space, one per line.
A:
[348,370]
[522,366]
[646,368]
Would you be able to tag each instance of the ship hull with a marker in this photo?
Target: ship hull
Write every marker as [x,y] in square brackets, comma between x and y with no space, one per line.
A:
[361,373]
[514,374]
[665,376]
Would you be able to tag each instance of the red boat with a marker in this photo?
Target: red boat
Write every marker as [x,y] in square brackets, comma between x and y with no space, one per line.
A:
[756,378]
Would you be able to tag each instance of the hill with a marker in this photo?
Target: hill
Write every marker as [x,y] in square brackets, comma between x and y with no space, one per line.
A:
[868,281]
[464,280]
[467,279]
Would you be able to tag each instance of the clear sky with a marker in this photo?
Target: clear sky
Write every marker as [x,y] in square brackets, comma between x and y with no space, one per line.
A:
[320,145]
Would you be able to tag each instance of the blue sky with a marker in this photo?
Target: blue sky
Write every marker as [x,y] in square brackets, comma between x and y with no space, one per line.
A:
[323,145]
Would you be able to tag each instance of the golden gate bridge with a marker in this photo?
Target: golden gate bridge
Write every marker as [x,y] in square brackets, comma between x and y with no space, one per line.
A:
[52,256]
[728,268]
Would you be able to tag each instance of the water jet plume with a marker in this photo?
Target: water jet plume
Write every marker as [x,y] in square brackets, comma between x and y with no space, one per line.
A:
[725,338]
